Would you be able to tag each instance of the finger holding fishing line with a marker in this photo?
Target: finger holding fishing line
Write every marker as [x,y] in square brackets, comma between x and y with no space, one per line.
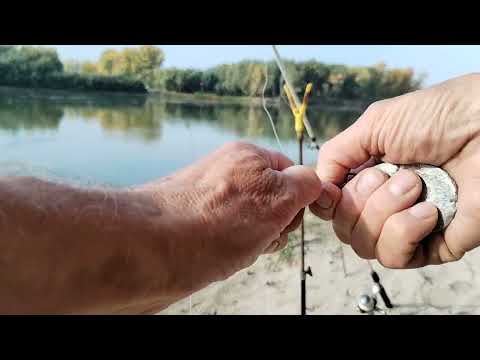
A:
[304,183]
[346,151]
[398,193]
[335,160]
[433,131]
[324,206]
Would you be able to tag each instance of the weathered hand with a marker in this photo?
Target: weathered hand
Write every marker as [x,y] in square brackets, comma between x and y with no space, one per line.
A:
[232,206]
[66,249]
[377,216]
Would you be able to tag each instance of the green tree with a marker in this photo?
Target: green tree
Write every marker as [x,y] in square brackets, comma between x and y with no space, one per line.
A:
[72,66]
[106,63]
[149,58]
[89,68]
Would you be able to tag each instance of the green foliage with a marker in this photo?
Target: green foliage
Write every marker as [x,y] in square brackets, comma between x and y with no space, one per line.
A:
[72,66]
[135,63]
[247,78]
[27,64]
[39,67]
[135,69]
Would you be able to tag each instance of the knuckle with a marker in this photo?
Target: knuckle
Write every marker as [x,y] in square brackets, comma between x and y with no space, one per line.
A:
[362,245]
[375,207]
[452,257]
[396,225]
[324,214]
[391,259]
[376,109]
[225,189]
[450,254]
[473,76]
[392,262]
[237,145]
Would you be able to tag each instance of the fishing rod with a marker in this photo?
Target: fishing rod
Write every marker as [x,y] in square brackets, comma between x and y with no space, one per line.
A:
[299,114]
[301,124]
[439,188]
[295,98]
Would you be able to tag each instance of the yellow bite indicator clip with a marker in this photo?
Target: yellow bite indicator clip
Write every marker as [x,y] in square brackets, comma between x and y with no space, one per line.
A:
[299,114]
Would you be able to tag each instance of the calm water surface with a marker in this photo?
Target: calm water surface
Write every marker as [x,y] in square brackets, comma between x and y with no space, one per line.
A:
[122,140]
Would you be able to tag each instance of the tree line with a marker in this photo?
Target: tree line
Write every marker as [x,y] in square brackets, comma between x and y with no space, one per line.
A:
[140,63]
[40,67]
[247,78]
[140,69]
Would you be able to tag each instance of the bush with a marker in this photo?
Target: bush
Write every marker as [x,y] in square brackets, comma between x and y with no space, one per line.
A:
[335,82]
[41,68]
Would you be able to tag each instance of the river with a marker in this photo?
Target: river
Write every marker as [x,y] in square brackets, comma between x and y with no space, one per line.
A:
[122,140]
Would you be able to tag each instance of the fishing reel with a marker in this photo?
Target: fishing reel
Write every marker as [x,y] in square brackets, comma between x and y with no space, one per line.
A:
[368,304]
[313,146]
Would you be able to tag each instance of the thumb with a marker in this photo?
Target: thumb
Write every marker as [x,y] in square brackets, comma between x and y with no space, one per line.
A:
[348,150]
[304,183]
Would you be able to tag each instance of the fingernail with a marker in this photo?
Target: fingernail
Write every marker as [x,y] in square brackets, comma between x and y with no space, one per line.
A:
[273,246]
[370,181]
[423,210]
[402,182]
[325,201]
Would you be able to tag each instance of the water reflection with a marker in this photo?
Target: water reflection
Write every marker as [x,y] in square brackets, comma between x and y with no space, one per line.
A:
[143,122]
[17,114]
[251,121]
[142,116]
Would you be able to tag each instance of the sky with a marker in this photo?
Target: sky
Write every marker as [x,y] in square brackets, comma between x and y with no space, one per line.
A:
[439,62]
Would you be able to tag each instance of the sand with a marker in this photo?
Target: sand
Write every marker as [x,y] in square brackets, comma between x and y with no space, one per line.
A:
[271,286]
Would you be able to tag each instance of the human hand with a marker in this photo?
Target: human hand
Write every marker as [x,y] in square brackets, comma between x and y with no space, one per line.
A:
[378,216]
[138,250]
[227,209]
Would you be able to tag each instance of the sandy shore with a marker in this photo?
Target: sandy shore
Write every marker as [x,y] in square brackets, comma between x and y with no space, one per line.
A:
[271,286]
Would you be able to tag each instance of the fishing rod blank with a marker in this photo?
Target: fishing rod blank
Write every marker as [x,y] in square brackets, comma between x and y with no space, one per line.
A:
[280,65]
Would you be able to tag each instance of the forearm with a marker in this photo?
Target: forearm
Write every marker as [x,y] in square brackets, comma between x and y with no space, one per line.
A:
[69,250]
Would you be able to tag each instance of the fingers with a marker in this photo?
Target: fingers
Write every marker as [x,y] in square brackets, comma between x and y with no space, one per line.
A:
[371,162]
[397,194]
[274,159]
[278,160]
[295,223]
[399,244]
[437,251]
[354,198]
[282,241]
[344,152]
[303,182]
[277,244]
[462,234]
[348,150]
[325,205]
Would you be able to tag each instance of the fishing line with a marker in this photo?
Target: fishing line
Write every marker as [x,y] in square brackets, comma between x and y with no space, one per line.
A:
[306,122]
[378,288]
[264,102]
